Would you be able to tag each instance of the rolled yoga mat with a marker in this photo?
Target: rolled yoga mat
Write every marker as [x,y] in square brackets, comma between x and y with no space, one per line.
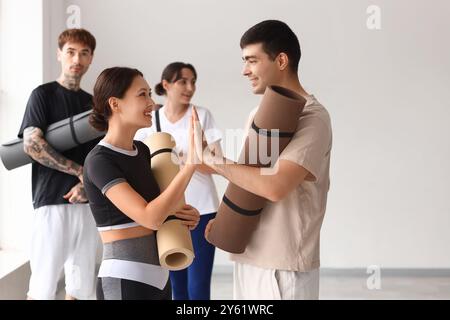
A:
[174,241]
[62,135]
[239,212]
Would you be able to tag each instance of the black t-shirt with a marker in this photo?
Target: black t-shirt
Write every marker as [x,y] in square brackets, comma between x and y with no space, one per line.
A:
[49,103]
[106,166]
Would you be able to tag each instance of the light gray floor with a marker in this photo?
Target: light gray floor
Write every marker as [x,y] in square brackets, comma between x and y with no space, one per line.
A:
[398,288]
[352,287]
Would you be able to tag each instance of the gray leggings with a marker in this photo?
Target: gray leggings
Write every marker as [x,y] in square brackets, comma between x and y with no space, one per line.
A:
[141,250]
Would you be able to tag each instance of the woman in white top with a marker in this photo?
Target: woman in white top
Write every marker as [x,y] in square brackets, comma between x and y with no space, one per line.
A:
[178,84]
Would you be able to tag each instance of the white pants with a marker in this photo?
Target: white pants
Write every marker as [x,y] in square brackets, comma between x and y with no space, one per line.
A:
[253,283]
[63,237]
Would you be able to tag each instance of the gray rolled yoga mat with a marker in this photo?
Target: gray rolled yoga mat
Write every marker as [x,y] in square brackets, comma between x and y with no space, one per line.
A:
[239,211]
[62,135]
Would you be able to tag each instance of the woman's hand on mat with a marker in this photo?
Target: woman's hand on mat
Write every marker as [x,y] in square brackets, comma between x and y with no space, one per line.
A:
[208,228]
[76,194]
[189,216]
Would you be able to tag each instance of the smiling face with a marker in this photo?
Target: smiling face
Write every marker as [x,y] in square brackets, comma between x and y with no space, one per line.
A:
[135,108]
[260,69]
[75,59]
[182,90]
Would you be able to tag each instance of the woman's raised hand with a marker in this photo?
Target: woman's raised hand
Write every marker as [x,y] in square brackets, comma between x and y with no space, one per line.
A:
[197,142]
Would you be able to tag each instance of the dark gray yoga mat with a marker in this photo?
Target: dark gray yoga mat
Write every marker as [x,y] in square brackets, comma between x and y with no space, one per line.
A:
[62,135]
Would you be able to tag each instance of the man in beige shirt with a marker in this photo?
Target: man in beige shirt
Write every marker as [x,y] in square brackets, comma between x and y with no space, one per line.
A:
[282,258]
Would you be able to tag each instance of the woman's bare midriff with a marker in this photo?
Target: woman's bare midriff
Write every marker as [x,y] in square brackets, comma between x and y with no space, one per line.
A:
[122,234]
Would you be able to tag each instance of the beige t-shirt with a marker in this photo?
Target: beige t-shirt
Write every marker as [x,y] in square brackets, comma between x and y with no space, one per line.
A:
[288,234]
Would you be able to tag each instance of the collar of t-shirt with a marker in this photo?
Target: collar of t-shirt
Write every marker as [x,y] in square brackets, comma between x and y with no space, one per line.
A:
[162,114]
[120,150]
[177,129]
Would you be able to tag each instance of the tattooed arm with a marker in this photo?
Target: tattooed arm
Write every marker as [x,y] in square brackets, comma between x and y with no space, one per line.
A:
[38,148]
[35,145]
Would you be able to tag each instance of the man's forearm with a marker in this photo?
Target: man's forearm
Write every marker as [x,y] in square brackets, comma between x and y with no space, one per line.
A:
[38,148]
[246,177]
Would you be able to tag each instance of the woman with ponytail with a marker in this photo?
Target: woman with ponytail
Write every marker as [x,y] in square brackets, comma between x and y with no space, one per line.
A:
[123,194]
[178,85]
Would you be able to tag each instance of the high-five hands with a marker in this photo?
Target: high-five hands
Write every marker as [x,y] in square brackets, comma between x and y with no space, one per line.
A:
[202,151]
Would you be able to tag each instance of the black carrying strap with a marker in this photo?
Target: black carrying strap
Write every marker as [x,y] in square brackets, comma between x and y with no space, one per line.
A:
[173,217]
[158,124]
[161,151]
[240,210]
[72,131]
[270,133]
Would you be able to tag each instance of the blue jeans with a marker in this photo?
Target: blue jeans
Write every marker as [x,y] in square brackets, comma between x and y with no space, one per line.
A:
[194,282]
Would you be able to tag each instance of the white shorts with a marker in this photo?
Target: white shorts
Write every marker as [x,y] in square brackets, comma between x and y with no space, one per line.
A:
[254,283]
[63,237]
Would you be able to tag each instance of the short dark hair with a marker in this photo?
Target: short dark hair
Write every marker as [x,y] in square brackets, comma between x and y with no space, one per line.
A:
[77,35]
[172,73]
[112,82]
[275,37]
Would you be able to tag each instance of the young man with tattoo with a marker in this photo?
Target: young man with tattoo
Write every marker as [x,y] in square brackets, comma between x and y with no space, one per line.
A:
[64,235]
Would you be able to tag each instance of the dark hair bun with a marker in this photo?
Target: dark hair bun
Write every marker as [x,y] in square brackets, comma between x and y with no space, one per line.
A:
[98,121]
[159,89]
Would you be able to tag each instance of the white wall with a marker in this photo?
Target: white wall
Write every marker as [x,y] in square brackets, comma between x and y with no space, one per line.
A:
[386,90]
[21,69]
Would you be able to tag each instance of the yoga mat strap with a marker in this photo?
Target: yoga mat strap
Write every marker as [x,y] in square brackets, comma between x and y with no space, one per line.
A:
[162,151]
[239,209]
[171,217]
[269,133]
[72,131]
[158,123]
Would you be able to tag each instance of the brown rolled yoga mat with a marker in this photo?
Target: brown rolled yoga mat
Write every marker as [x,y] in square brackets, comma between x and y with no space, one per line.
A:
[174,241]
[239,212]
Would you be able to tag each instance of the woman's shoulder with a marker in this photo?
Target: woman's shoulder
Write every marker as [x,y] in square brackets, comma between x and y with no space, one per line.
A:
[142,148]
[99,153]
[140,145]
[99,157]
